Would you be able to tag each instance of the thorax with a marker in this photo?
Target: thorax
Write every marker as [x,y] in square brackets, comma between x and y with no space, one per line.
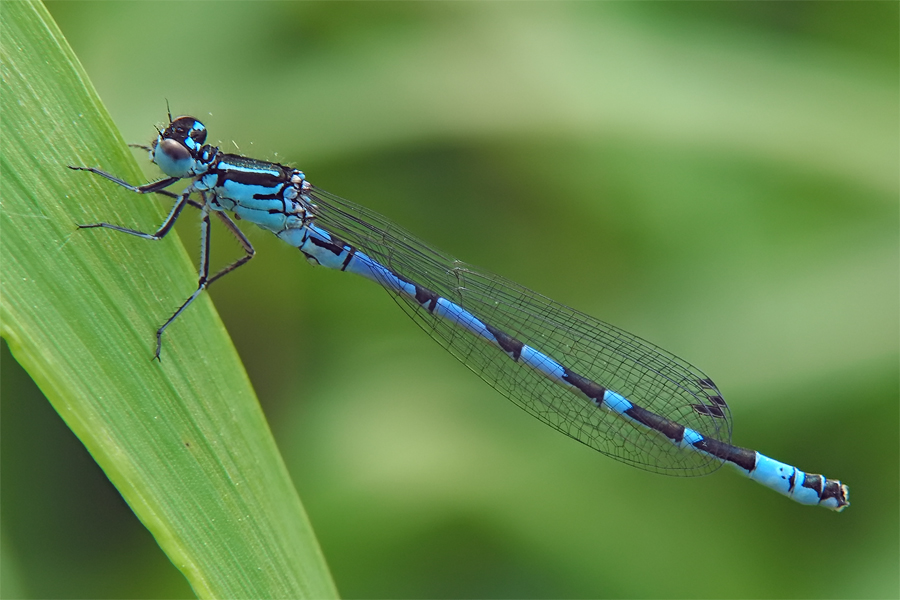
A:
[264,193]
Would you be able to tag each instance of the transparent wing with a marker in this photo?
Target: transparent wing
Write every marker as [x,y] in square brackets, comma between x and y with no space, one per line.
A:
[645,374]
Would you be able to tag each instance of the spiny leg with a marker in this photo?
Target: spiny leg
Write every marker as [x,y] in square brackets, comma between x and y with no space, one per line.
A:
[204,281]
[232,227]
[202,278]
[244,242]
[175,196]
[160,233]
[148,188]
[155,187]
[181,200]
[158,187]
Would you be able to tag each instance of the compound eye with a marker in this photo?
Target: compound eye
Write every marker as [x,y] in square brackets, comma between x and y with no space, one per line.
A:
[173,158]
[175,151]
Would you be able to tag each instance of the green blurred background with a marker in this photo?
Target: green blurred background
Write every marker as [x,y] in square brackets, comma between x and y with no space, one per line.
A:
[719,178]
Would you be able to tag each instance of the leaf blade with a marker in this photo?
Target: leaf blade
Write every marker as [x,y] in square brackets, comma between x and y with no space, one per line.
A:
[184,440]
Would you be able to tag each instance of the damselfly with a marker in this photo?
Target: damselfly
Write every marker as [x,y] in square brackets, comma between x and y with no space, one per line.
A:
[602,386]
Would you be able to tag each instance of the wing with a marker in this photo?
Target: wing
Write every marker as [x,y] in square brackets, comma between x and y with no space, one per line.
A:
[641,372]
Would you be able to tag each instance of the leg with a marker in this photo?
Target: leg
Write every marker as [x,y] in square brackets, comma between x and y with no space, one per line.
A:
[155,187]
[204,280]
[242,239]
[148,188]
[166,226]
[196,205]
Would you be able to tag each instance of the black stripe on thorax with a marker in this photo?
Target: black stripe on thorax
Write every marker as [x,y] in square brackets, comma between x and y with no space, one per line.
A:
[248,171]
[264,180]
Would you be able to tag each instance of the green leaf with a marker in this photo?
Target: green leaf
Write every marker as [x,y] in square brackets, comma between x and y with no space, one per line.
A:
[184,439]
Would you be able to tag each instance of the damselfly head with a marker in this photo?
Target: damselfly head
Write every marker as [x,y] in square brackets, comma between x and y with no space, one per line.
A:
[176,149]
